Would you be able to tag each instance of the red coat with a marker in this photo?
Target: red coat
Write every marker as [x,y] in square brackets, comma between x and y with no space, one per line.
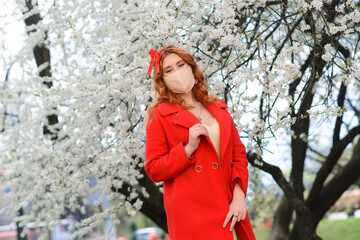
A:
[197,190]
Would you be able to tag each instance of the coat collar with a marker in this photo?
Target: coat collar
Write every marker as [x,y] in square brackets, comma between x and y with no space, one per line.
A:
[167,108]
[186,119]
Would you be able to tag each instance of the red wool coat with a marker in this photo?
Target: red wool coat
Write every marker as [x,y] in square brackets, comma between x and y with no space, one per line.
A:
[197,190]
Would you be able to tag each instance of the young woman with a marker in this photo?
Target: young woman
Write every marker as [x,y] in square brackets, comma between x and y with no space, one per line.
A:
[193,146]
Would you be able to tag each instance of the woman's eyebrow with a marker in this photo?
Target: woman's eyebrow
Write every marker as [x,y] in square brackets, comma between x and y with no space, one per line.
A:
[175,63]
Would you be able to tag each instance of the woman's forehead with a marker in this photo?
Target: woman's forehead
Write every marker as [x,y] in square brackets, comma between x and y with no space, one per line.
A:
[171,60]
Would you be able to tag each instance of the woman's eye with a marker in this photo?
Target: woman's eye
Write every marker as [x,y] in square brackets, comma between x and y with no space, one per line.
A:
[181,64]
[167,71]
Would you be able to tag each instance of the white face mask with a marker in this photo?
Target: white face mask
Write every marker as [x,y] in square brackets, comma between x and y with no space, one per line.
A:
[180,81]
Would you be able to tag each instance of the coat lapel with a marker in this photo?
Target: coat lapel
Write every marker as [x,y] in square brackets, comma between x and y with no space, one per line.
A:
[181,117]
[186,119]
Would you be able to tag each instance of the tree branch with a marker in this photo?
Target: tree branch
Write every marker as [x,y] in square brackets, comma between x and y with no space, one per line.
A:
[279,178]
[302,211]
[152,207]
[340,101]
[329,164]
[338,185]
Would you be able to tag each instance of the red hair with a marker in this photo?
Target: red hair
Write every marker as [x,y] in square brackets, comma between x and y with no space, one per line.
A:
[164,94]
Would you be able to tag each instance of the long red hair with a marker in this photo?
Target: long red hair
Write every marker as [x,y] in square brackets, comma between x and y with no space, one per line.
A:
[164,94]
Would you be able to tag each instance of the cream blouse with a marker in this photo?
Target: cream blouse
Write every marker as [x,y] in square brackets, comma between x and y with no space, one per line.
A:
[214,134]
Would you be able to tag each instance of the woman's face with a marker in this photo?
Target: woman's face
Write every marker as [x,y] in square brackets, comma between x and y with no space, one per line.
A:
[177,74]
[173,63]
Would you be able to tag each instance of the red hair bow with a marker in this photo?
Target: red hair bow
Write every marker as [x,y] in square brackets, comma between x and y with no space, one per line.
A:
[155,57]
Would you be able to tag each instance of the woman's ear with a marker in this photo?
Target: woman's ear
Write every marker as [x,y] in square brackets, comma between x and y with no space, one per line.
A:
[196,81]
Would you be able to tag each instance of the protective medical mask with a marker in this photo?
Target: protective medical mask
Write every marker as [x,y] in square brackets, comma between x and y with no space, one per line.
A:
[180,81]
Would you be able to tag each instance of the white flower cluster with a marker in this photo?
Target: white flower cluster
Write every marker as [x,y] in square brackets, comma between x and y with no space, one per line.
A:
[328,112]
[317,4]
[347,3]
[327,56]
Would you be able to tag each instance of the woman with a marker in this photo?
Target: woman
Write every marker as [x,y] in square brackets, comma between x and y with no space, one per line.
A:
[193,146]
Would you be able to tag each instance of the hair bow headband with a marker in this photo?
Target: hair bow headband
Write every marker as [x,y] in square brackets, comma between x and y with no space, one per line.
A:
[155,57]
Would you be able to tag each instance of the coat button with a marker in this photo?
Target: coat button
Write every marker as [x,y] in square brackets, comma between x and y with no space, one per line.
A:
[198,168]
[215,165]
[231,165]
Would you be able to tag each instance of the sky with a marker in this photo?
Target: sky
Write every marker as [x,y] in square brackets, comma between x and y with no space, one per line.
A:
[11,37]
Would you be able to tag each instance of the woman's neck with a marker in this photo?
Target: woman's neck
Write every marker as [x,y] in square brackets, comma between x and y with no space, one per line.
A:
[189,98]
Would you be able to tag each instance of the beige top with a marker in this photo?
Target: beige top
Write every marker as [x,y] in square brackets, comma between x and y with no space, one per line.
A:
[214,134]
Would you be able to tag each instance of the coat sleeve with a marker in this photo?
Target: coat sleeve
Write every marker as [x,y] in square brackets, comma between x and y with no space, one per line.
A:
[240,173]
[162,163]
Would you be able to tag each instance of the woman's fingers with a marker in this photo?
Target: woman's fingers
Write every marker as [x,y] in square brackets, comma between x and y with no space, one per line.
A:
[203,131]
[228,217]
[243,216]
[194,134]
[234,218]
[233,221]
[199,129]
[242,212]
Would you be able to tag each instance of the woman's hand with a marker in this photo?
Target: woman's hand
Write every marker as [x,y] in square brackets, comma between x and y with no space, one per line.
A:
[194,137]
[237,209]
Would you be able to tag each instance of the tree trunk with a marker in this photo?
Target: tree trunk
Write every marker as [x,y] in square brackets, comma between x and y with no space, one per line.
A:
[304,227]
[282,218]
[41,55]
[18,228]
[153,206]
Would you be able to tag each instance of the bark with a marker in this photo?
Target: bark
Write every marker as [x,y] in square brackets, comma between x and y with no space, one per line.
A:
[343,179]
[329,164]
[302,124]
[304,231]
[153,206]
[18,228]
[339,119]
[282,217]
[42,55]
[304,227]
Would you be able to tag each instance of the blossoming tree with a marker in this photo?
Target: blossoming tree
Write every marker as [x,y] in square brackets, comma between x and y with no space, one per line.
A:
[288,70]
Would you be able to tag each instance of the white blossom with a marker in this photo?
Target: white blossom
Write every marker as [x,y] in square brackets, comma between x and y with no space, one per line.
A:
[327,56]
[100,93]
[305,27]
[317,4]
